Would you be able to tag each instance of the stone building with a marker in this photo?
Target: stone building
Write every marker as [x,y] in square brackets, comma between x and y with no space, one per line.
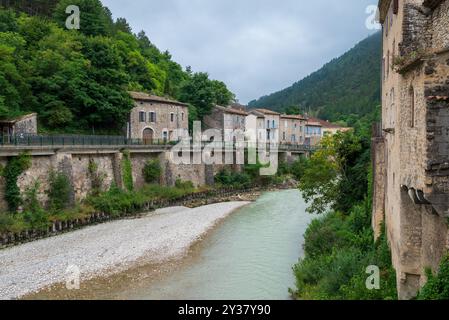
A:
[24,125]
[328,128]
[226,119]
[411,149]
[292,129]
[314,132]
[265,123]
[156,119]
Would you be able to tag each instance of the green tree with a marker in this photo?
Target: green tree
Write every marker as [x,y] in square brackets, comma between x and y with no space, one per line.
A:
[94,18]
[203,93]
[329,177]
[8,21]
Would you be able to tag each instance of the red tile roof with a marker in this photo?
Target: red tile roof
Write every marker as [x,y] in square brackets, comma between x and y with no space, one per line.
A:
[267,112]
[231,110]
[141,96]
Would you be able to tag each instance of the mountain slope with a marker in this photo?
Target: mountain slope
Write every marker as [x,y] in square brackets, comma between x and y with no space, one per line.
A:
[347,85]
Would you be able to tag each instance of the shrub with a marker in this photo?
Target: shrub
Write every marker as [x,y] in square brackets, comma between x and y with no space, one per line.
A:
[338,249]
[33,213]
[233,179]
[152,171]
[96,177]
[184,185]
[13,169]
[127,171]
[437,287]
[59,192]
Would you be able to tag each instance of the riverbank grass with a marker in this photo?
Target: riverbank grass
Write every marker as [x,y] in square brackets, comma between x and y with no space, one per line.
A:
[113,202]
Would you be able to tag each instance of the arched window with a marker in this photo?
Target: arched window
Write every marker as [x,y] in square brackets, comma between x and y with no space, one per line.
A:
[412,106]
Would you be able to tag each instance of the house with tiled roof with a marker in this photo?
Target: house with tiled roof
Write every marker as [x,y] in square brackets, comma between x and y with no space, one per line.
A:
[292,129]
[157,119]
[265,123]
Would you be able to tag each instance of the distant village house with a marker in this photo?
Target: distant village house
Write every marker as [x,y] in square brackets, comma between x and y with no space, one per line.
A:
[23,125]
[155,119]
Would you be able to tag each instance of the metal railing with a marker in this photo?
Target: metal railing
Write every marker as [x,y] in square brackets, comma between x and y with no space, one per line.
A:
[29,140]
[77,140]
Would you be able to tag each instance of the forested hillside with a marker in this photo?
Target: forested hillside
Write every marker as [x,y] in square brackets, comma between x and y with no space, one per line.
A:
[347,85]
[78,80]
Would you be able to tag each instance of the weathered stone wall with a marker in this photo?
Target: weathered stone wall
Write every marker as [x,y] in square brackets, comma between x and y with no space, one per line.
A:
[379,176]
[163,119]
[81,178]
[138,161]
[27,125]
[109,168]
[415,111]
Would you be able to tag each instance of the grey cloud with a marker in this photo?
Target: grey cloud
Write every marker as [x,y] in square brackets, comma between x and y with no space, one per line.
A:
[255,46]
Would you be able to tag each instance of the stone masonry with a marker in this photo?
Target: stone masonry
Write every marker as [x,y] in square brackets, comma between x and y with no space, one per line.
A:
[411,152]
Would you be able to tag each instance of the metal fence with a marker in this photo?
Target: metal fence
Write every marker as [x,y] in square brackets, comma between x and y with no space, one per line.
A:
[76,140]
[25,140]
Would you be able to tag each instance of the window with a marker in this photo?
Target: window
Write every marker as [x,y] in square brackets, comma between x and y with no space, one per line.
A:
[165,136]
[152,116]
[283,136]
[412,107]
[293,138]
[182,116]
[268,124]
[142,116]
[388,63]
[172,117]
[274,124]
[393,55]
[395,6]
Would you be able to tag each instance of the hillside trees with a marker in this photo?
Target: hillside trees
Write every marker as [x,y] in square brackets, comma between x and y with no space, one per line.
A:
[347,85]
[85,75]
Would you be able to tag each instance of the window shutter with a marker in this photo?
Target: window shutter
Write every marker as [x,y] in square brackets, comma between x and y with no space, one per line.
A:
[395,6]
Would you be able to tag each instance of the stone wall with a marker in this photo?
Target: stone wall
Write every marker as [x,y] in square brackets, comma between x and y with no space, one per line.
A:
[109,168]
[413,152]
[163,120]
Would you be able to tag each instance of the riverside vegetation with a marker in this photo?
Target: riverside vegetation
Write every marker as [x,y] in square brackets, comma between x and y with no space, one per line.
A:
[337,183]
[26,212]
[339,245]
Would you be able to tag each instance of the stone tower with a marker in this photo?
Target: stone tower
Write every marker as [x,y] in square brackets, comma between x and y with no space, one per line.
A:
[412,147]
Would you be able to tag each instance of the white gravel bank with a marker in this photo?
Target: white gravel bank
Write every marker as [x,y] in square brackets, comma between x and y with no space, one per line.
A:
[107,248]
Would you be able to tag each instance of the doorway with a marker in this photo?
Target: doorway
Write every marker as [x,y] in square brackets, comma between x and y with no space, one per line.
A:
[148,136]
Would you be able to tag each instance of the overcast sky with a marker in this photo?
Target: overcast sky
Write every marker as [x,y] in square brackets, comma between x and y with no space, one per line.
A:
[255,46]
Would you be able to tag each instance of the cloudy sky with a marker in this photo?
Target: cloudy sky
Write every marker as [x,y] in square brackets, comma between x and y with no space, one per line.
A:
[255,46]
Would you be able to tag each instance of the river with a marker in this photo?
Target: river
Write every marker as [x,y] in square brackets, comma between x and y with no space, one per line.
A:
[249,256]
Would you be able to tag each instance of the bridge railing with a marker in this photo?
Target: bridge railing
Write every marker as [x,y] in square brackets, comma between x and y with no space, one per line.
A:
[76,140]
[29,140]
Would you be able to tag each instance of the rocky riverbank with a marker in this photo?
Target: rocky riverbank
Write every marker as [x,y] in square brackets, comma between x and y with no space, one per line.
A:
[108,248]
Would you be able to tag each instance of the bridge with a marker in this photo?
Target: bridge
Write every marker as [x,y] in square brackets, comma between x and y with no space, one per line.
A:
[85,144]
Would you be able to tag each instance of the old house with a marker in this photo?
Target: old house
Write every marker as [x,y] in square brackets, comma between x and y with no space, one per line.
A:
[265,123]
[226,119]
[292,129]
[314,132]
[19,126]
[328,128]
[155,119]
[411,148]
